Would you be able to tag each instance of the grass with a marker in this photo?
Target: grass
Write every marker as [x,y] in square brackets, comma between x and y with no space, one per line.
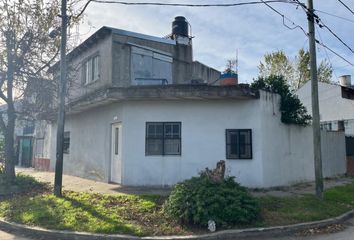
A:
[142,215]
[290,210]
[98,213]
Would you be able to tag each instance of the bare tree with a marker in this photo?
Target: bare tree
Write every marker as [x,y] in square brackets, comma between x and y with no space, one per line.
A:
[26,52]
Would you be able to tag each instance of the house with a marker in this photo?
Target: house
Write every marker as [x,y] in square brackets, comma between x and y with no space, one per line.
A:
[23,135]
[141,111]
[336,110]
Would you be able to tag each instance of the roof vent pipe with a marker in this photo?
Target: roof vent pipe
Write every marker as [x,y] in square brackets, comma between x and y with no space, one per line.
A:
[345,80]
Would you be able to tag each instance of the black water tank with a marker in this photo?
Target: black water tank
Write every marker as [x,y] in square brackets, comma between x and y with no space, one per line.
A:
[180,26]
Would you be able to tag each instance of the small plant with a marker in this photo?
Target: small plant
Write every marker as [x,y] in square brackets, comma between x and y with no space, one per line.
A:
[200,199]
[292,110]
[230,65]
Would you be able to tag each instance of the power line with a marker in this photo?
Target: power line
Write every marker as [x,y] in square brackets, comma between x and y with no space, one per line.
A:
[321,24]
[346,6]
[333,15]
[335,53]
[298,26]
[329,60]
[188,5]
[284,17]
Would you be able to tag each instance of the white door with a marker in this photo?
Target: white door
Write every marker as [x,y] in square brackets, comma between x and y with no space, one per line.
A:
[116,153]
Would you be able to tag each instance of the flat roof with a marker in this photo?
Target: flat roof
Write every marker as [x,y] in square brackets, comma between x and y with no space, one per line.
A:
[180,92]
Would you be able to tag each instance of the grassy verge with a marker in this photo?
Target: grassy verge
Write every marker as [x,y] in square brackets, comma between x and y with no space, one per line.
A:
[290,210]
[142,215]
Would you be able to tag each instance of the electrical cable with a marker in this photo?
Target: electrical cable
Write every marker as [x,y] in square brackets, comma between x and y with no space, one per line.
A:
[333,15]
[298,26]
[187,5]
[346,6]
[329,60]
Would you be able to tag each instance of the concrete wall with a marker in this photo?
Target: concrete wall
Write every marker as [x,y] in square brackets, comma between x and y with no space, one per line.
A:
[76,86]
[333,153]
[282,154]
[288,149]
[90,142]
[203,140]
[332,106]
[204,73]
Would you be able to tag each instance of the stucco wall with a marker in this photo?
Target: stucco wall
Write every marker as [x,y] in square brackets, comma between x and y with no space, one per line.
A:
[90,142]
[203,140]
[332,105]
[282,154]
[288,149]
[76,86]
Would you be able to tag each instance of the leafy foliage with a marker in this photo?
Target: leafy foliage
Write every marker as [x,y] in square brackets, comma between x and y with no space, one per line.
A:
[292,110]
[296,71]
[199,199]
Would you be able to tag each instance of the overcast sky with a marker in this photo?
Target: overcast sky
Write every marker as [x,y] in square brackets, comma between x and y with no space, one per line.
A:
[218,31]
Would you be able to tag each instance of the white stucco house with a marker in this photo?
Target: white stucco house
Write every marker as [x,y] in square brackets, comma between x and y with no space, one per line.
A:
[142,112]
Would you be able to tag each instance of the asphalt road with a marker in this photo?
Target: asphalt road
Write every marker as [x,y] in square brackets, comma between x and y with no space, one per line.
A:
[346,234]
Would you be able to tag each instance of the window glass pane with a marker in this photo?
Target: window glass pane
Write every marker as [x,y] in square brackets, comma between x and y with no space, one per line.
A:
[154,130]
[154,146]
[66,144]
[116,139]
[172,130]
[95,68]
[172,146]
[245,137]
[245,151]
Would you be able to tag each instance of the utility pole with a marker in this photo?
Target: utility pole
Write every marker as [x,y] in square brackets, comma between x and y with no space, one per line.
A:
[315,104]
[61,115]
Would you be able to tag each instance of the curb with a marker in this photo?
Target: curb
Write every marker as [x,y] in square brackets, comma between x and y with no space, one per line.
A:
[224,234]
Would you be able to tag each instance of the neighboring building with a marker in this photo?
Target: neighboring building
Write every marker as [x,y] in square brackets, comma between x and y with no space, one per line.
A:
[336,110]
[24,130]
[336,105]
[142,112]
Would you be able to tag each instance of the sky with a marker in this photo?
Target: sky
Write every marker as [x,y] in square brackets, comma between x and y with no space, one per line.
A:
[252,30]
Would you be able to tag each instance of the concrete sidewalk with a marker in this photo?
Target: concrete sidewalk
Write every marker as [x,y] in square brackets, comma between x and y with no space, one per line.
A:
[84,185]
[78,184]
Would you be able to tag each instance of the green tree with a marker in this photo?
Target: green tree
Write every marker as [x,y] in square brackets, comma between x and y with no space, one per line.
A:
[296,71]
[26,52]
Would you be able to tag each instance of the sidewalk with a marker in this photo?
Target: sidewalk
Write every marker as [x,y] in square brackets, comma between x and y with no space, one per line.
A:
[84,185]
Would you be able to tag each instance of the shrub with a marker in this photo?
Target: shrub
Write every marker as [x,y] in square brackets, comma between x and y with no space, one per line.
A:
[199,199]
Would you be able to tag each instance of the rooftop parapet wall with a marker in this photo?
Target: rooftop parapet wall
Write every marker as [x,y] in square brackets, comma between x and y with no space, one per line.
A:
[161,93]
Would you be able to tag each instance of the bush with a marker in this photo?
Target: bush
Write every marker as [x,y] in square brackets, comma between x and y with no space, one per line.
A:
[199,199]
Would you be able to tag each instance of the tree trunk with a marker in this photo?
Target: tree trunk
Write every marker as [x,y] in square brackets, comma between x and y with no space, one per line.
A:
[9,145]
[11,116]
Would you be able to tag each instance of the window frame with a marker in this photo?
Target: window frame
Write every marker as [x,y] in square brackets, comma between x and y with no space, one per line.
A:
[90,61]
[163,138]
[248,130]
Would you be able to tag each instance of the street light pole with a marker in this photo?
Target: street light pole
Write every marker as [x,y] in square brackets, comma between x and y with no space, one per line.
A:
[315,102]
[61,115]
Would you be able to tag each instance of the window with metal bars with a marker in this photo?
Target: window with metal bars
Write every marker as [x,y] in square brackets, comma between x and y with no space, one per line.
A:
[238,143]
[163,138]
